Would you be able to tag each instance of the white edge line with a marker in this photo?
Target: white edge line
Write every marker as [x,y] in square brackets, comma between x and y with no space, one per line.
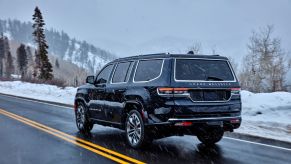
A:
[38,101]
[257,143]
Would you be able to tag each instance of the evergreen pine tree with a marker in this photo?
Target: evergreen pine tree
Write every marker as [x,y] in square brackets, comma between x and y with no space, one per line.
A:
[4,50]
[45,69]
[22,60]
[9,65]
[9,68]
[57,64]
[6,46]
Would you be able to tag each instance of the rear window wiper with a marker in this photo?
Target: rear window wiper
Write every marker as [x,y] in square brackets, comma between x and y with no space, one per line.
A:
[213,78]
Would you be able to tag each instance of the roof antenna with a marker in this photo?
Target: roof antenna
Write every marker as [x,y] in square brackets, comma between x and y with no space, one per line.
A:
[190,52]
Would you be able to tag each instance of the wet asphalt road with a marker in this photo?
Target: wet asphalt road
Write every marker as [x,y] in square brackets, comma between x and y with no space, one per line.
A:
[22,143]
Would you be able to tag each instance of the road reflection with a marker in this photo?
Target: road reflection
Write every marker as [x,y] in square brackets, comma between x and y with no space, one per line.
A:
[213,152]
[169,150]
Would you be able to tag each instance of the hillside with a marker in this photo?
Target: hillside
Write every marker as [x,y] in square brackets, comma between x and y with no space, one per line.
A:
[61,45]
[69,72]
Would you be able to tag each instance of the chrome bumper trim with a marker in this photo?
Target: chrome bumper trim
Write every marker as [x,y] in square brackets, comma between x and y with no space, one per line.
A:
[203,119]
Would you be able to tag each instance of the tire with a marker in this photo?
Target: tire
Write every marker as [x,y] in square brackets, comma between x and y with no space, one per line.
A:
[135,130]
[210,136]
[82,120]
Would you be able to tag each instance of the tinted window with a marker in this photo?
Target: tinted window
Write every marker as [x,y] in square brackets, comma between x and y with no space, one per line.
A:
[148,69]
[121,72]
[208,70]
[103,76]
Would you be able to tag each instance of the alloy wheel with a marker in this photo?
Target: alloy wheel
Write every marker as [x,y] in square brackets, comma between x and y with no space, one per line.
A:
[133,128]
[80,117]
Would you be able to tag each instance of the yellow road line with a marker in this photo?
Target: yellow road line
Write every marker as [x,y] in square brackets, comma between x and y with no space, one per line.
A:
[72,139]
[66,139]
[80,140]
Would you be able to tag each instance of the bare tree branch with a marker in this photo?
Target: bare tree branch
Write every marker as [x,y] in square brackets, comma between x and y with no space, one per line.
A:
[196,48]
[265,66]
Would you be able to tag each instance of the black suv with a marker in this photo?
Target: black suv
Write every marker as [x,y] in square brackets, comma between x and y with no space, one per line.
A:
[160,95]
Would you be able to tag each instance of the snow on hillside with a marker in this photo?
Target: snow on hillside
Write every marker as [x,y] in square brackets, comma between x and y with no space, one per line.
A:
[86,58]
[61,45]
[264,114]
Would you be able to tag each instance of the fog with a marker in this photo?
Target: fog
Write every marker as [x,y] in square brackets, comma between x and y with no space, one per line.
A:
[130,27]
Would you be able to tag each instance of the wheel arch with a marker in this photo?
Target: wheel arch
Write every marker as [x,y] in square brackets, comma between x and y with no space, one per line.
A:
[79,100]
[134,104]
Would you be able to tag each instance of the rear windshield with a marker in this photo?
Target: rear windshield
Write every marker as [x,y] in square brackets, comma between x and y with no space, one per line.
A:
[203,70]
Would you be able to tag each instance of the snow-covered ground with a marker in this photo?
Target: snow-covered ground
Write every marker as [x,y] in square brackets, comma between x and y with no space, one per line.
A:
[264,114]
[267,115]
[39,91]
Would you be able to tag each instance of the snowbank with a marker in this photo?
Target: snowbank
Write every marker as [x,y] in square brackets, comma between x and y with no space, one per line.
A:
[264,114]
[267,115]
[274,107]
[39,91]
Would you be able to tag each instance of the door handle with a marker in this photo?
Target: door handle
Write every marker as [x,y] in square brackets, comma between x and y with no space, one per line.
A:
[119,90]
[100,90]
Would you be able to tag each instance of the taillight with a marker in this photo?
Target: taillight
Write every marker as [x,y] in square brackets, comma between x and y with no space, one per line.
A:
[234,121]
[183,124]
[173,91]
[235,91]
[165,90]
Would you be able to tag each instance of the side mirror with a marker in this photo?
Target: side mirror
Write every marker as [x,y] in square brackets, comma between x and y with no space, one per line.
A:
[90,79]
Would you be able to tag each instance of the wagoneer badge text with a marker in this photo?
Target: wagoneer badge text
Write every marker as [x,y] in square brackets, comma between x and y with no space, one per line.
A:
[211,84]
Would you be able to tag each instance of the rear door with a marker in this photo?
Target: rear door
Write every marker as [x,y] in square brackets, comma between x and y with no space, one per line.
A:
[115,91]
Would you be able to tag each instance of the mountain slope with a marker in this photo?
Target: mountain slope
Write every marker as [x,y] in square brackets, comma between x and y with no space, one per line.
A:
[61,45]
[70,73]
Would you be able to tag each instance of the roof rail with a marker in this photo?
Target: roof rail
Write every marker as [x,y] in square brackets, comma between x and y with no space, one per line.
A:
[154,54]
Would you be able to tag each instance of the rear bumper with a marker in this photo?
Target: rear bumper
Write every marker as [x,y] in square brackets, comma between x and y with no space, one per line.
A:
[190,126]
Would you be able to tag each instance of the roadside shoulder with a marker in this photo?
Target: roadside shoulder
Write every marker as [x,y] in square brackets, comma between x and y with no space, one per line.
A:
[258,139]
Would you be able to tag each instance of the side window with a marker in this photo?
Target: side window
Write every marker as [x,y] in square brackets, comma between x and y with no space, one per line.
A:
[103,76]
[122,72]
[148,69]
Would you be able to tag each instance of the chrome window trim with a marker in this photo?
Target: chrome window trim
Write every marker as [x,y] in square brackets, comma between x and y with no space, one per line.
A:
[109,79]
[234,77]
[161,70]
[116,64]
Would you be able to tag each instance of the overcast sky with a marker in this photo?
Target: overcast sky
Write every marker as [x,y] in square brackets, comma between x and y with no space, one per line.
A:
[128,27]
